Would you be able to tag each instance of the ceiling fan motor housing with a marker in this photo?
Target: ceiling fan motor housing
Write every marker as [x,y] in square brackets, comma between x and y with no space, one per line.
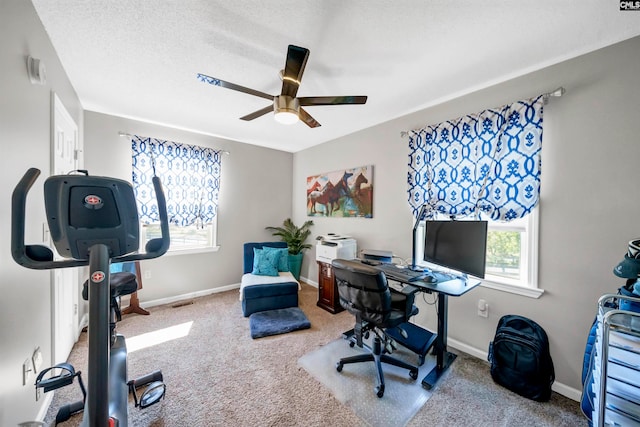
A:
[284,103]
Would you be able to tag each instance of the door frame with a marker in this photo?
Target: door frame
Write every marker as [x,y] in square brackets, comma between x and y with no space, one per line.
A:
[60,114]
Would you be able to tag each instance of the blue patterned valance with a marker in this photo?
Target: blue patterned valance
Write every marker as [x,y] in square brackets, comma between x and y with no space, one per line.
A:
[190,177]
[486,163]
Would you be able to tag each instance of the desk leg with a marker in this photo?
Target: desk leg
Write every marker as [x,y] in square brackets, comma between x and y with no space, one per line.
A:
[444,359]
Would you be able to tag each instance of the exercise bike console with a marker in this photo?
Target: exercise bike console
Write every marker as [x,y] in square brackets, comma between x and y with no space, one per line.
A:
[93,221]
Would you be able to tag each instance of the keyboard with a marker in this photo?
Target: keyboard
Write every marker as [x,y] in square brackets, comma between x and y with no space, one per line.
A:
[402,274]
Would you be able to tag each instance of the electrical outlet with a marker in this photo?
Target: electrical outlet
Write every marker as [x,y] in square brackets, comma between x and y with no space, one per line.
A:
[37,360]
[38,393]
[26,371]
[147,274]
[483,308]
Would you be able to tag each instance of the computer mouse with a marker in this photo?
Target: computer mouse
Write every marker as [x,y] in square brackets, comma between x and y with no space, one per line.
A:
[429,279]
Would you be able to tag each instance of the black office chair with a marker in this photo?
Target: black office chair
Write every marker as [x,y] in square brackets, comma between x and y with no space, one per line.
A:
[364,292]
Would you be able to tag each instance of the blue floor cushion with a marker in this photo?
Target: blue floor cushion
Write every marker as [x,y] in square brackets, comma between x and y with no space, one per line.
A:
[274,322]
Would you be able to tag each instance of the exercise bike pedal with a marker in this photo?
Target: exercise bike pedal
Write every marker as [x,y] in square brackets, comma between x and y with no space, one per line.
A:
[154,392]
[63,379]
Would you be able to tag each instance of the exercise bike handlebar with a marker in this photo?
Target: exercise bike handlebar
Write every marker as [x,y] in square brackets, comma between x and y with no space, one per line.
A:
[40,257]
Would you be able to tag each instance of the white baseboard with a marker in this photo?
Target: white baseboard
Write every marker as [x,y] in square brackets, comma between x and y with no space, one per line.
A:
[42,413]
[191,295]
[187,296]
[309,281]
[559,388]
[84,322]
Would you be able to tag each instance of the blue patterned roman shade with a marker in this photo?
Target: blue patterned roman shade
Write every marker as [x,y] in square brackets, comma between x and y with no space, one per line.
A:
[190,177]
[487,163]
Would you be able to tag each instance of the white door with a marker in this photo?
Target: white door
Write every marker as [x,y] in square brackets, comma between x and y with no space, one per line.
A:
[65,288]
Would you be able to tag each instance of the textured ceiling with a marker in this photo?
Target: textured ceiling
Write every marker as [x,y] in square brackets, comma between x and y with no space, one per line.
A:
[140,58]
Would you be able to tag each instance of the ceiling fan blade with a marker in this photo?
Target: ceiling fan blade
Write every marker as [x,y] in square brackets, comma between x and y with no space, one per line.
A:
[293,69]
[309,121]
[217,82]
[332,100]
[258,113]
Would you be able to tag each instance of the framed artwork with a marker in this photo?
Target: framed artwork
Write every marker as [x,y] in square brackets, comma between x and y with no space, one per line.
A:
[342,193]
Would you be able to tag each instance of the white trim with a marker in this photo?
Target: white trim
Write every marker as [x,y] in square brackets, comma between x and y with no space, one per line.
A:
[563,389]
[187,296]
[191,295]
[44,408]
[309,281]
[84,323]
[514,289]
[192,251]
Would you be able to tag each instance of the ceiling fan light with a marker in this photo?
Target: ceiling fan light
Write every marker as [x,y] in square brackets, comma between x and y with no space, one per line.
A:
[286,109]
[286,117]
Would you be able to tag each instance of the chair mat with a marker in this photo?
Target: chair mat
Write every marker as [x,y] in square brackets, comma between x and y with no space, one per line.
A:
[354,386]
[274,322]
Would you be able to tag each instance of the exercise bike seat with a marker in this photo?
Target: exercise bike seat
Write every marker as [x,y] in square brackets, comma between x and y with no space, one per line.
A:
[122,283]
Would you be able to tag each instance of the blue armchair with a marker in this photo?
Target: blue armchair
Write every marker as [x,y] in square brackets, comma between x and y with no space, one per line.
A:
[262,293]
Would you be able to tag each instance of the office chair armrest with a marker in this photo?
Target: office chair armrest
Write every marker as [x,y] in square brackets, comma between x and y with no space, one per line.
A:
[402,302]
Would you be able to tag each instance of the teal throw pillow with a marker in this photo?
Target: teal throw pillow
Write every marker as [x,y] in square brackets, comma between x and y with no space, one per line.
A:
[283,257]
[265,263]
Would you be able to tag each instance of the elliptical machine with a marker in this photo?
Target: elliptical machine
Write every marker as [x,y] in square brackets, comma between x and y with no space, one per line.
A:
[94,221]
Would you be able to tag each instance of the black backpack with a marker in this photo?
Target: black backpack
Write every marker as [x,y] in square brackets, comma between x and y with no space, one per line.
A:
[520,358]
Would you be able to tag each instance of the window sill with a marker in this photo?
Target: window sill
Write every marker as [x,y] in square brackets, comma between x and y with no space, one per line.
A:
[192,251]
[518,290]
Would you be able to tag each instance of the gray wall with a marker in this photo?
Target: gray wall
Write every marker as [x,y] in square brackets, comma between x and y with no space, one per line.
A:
[255,192]
[589,197]
[25,112]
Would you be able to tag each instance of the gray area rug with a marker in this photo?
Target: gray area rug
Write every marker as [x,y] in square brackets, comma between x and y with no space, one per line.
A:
[275,322]
[354,386]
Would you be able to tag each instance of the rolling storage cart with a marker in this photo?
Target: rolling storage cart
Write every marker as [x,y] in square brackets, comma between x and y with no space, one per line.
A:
[616,367]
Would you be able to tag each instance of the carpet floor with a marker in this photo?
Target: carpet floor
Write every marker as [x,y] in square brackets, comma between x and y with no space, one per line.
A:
[217,375]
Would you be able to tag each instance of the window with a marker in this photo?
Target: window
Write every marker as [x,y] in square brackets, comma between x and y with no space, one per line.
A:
[512,255]
[190,177]
[183,238]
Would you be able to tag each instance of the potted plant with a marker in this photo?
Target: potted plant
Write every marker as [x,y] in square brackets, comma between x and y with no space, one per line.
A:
[295,238]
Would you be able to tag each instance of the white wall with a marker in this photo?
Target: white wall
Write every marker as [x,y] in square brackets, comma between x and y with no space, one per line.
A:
[589,197]
[255,192]
[25,111]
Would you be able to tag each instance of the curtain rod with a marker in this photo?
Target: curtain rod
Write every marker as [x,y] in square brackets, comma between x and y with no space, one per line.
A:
[128,135]
[557,93]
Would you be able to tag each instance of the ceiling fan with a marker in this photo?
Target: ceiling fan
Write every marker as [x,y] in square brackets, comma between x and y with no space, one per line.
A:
[286,106]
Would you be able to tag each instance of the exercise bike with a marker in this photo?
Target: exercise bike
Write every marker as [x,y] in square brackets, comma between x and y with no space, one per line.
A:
[94,221]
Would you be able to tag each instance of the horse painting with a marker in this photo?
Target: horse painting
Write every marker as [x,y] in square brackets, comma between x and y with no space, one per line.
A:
[340,194]
[322,197]
[361,193]
[329,196]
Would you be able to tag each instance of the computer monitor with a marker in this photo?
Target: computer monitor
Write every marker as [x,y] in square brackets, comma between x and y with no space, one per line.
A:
[457,245]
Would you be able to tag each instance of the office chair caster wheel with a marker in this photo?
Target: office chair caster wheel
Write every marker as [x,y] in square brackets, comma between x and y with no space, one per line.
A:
[352,344]
[379,390]
[413,374]
[339,366]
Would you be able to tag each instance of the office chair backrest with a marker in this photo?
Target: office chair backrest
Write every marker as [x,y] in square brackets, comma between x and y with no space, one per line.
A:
[363,290]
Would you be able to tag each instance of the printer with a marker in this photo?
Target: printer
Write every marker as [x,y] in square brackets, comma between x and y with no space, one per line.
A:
[332,246]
